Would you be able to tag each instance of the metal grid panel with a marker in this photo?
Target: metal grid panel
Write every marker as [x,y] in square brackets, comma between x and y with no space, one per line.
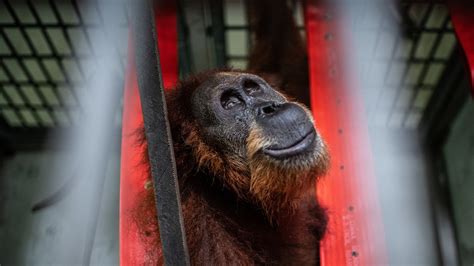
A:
[424,48]
[46,57]
[237,37]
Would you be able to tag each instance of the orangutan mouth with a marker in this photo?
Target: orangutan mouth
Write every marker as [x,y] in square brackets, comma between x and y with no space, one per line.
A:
[300,146]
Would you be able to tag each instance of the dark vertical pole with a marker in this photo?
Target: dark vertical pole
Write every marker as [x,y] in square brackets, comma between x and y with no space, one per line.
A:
[157,129]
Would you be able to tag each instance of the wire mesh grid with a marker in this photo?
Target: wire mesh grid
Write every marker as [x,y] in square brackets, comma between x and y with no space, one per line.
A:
[46,56]
[416,63]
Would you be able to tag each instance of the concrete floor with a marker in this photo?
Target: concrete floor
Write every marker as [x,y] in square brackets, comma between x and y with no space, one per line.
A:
[28,238]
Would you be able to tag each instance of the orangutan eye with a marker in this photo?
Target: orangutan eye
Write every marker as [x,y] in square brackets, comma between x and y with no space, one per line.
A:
[230,99]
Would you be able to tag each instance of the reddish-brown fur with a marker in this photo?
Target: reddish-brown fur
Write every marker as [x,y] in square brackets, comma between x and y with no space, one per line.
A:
[223,225]
[232,218]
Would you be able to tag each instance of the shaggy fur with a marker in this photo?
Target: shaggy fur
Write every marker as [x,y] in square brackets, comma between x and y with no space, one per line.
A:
[238,211]
[245,209]
[278,185]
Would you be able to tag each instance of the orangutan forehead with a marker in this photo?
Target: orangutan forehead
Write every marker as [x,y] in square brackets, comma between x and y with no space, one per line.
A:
[231,74]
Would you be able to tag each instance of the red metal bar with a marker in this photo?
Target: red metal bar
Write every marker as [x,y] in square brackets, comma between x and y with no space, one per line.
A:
[462,16]
[355,233]
[134,250]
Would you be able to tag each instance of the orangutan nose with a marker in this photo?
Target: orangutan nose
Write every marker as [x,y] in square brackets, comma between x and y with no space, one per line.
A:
[267,109]
[286,122]
[278,114]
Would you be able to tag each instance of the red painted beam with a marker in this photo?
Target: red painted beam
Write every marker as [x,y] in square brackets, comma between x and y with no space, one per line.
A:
[134,249]
[462,16]
[355,234]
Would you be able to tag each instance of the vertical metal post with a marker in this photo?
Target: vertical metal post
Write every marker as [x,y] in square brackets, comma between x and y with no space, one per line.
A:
[135,247]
